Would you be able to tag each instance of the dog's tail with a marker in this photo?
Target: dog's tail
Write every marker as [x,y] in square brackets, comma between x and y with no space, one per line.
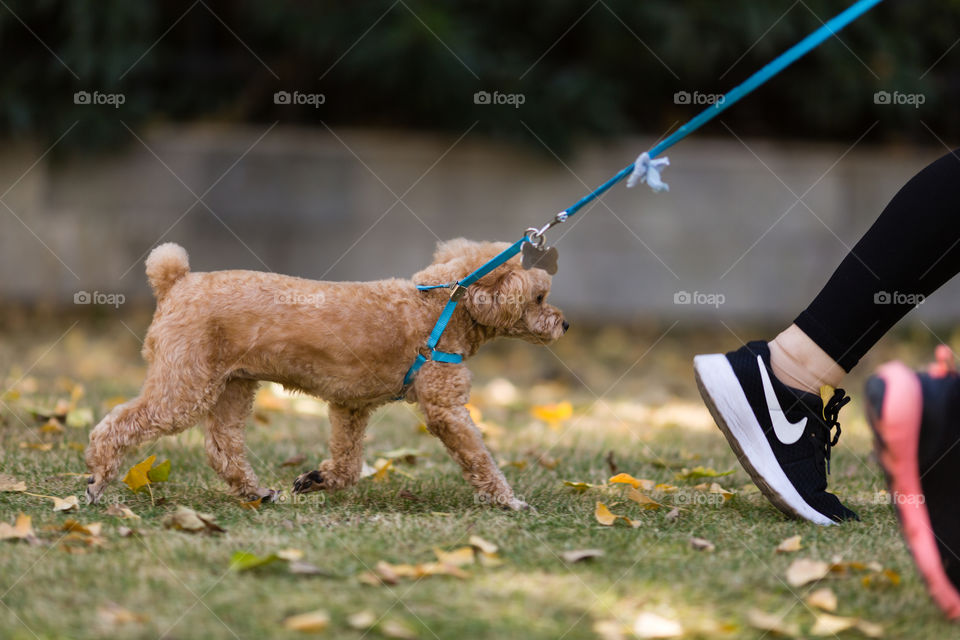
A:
[165,265]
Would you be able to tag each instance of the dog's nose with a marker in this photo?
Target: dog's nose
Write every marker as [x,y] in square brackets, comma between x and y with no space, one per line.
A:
[566,325]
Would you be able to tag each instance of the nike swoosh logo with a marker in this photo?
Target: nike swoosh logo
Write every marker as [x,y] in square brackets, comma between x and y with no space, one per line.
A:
[787,432]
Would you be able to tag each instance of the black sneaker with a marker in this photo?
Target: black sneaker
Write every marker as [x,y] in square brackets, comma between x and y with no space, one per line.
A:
[781,435]
[916,420]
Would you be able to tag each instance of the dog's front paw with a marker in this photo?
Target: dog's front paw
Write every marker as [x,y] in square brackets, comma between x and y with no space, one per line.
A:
[94,491]
[518,505]
[309,481]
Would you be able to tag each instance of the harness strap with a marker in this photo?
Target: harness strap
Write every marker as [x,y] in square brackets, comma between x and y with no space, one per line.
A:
[458,289]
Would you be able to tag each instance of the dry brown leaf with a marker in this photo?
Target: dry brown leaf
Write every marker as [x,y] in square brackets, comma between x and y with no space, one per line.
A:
[119,511]
[805,570]
[642,499]
[456,558]
[73,526]
[20,530]
[312,622]
[789,545]
[651,625]
[771,623]
[294,460]
[823,598]
[252,505]
[65,504]
[186,519]
[702,544]
[581,554]
[9,483]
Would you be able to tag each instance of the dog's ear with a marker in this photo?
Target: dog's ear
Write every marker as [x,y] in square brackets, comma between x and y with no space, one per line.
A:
[497,303]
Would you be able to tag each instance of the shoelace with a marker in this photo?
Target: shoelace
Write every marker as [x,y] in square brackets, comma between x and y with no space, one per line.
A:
[831,415]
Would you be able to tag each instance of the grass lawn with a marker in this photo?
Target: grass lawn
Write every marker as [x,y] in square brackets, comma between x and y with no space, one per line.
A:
[631,392]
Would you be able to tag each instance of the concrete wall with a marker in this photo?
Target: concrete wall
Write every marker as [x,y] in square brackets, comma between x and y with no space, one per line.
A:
[321,204]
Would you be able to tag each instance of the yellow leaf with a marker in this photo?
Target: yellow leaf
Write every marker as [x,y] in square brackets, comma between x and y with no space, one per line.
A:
[9,483]
[643,499]
[789,545]
[665,488]
[38,446]
[804,570]
[382,467]
[253,505]
[20,530]
[362,620]
[701,472]
[52,426]
[604,516]
[553,414]
[73,526]
[579,487]
[636,483]
[823,598]
[456,558]
[718,490]
[121,512]
[474,412]
[136,477]
[312,622]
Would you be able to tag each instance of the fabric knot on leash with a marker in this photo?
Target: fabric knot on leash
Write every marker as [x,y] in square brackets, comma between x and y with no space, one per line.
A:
[647,169]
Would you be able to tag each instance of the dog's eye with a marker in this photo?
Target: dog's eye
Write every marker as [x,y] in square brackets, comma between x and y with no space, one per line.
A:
[540,299]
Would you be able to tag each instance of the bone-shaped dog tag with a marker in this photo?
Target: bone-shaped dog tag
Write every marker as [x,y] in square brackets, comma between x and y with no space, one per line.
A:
[539,258]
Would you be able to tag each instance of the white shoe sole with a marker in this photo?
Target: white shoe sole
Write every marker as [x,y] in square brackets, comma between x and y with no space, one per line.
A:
[724,397]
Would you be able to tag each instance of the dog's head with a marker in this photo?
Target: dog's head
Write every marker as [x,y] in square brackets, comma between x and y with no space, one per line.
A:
[510,300]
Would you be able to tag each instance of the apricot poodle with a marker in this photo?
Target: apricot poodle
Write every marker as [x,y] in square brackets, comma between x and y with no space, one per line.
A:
[215,335]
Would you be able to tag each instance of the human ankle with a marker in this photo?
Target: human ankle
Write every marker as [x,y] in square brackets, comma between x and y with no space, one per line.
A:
[798,362]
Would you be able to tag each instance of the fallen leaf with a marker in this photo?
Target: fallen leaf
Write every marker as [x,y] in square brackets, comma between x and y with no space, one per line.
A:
[804,570]
[789,545]
[830,625]
[9,483]
[407,455]
[701,472]
[294,460]
[672,515]
[139,475]
[771,623]
[79,418]
[651,625]
[702,544]
[20,530]
[580,487]
[362,620]
[553,414]
[482,545]
[245,561]
[611,629]
[606,518]
[38,446]
[665,488]
[312,622]
[645,501]
[581,554]
[65,504]
[121,512]
[113,614]
[716,489]
[186,519]
[870,629]
[456,558]
[290,555]
[306,569]
[396,628]
[52,426]
[823,598]
[92,529]
[636,483]
[252,504]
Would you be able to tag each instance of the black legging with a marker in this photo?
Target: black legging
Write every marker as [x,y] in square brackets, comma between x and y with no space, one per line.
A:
[910,251]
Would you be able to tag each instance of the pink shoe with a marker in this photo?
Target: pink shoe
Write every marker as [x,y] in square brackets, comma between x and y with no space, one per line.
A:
[916,420]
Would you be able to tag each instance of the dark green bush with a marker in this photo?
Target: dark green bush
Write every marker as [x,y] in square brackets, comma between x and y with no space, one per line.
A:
[598,79]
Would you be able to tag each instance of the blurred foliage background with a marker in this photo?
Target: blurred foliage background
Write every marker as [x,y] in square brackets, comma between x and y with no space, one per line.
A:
[613,72]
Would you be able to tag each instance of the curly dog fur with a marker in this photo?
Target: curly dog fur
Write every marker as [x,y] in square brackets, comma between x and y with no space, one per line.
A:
[215,335]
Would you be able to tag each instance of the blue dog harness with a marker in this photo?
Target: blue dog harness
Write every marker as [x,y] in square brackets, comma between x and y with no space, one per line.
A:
[646,168]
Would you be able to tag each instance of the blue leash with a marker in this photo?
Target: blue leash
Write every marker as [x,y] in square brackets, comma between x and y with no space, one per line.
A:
[646,168]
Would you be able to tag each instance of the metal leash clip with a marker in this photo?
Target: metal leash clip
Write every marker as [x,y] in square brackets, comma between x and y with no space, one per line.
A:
[535,253]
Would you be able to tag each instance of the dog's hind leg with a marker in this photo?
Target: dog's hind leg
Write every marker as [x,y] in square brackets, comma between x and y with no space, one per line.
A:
[226,442]
[342,470]
[168,403]
[442,391]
